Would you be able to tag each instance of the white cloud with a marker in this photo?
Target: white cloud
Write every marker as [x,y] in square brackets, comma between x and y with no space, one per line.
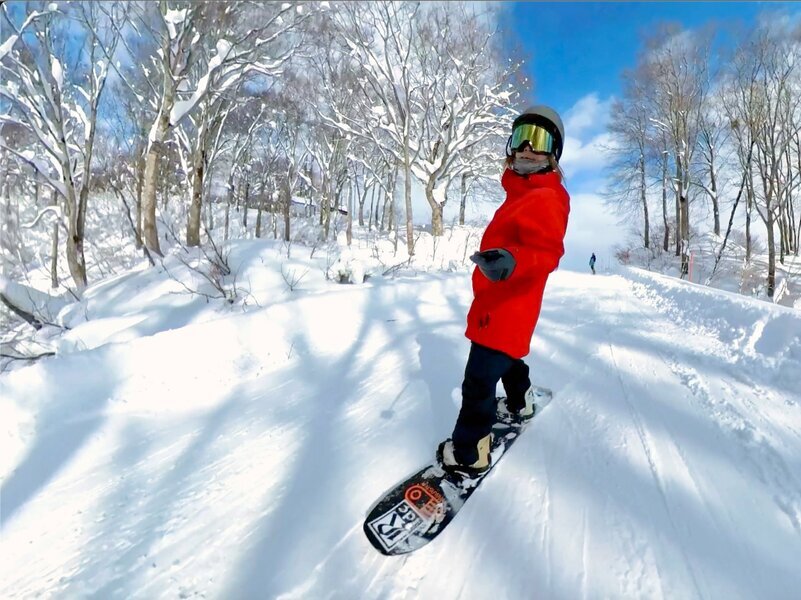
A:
[587,143]
[590,113]
[586,159]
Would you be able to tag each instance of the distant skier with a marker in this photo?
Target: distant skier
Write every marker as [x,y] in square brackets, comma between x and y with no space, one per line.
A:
[592,263]
[521,246]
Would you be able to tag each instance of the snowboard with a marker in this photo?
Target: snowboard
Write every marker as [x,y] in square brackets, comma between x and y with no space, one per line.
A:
[418,509]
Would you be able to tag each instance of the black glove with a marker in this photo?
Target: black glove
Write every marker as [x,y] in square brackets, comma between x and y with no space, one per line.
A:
[496,264]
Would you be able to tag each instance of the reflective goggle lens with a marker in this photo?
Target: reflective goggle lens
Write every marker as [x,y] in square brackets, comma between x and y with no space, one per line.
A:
[538,138]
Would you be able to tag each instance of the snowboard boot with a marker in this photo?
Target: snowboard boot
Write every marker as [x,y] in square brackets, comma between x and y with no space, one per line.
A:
[449,462]
[517,414]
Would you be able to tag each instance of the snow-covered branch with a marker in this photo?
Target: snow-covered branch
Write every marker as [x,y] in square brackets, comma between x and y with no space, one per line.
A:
[8,44]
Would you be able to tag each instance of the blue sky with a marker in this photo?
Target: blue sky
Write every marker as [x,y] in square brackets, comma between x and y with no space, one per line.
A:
[581,47]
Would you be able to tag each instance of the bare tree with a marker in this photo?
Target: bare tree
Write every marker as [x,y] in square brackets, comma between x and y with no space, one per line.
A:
[794,207]
[241,143]
[773,132]
[380,37]
[189,74]
[58,101]
[631,126]
[679,64]
[467,98]
[713,136]
[289,120]
[201,136]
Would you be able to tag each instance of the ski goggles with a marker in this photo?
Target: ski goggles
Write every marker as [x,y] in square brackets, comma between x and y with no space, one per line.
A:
[536,136]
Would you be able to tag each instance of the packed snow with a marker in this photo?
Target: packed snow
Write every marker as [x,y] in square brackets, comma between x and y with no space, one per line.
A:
[183,444]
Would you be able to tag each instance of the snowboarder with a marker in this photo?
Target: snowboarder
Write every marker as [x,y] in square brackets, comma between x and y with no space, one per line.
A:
[592,263]
[521,246]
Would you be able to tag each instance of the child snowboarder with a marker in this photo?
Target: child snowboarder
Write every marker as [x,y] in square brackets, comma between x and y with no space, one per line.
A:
[521,246]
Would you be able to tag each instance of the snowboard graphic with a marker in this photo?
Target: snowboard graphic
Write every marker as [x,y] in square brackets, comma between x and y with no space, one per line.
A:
[419,508]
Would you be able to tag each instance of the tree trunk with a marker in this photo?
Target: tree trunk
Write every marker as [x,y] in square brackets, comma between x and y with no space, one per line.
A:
[75,258]
[156,149]
[678,211]
[644,200]
[385,220]
[798,237]
[349,226]
[392,222]
[165,188]
[150,234]
[9,226]
[795,233]
[713,185]
[790,218]
[75,209]
[362,200]
[245,204]
[287,211]
[771,253]
[260,209]
[193,222]
[748,208]
[80,229]
[665,221]
[783,237]
[371,215]
[325,208]
[140,176]
[684,219]
[463,199]
[208,206]
[728,230]
[228,202]
[437,227]
[685,235]
[54,247]
[74,241]
[407,193]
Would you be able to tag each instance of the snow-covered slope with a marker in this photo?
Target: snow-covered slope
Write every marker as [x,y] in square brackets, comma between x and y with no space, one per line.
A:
[180,449]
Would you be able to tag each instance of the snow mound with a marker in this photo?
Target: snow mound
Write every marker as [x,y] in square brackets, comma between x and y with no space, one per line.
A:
[747,328]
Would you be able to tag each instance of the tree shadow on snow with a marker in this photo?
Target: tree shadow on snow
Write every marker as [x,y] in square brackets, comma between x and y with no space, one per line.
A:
[62,428]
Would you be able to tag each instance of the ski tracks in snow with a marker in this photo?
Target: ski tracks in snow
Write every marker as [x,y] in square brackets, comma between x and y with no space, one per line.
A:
[647,438]
[669,431]
[738,424]
[754,446]
[751,425]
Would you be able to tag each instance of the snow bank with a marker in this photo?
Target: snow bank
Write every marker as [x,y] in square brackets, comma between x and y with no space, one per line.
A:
[748,329]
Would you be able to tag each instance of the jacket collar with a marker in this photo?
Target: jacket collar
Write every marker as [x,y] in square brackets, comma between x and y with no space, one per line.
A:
[516,184]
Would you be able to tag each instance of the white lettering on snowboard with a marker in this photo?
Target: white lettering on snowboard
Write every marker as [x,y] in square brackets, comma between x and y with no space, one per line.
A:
[395,525]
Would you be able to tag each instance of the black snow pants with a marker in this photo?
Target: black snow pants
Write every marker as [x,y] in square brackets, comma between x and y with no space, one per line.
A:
[485,367]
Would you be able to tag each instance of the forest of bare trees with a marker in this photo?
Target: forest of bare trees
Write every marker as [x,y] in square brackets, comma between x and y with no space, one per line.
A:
[715,127]
[344,104]
[175,107]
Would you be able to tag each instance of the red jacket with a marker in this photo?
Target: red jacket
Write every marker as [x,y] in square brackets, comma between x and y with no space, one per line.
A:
[531,224]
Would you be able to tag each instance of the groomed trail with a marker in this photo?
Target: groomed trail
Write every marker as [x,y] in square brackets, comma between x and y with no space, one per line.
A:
[237,457]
